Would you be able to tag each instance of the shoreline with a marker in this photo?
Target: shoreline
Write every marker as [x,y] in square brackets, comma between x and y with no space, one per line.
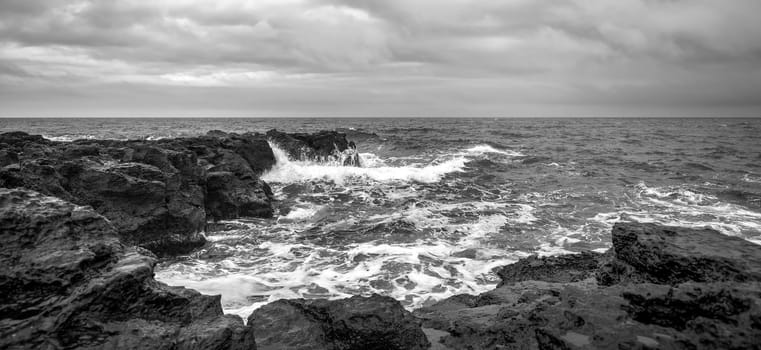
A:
[616,298]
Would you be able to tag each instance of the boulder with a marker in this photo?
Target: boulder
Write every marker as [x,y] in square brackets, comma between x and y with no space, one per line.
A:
[361,323]
[560,269]
[69,283]
[644,252]
[323,146]
[230,197]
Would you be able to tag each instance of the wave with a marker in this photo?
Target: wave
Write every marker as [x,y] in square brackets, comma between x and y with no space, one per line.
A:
[678,206]
[416,273]
[69,138]
[288,171]
[751,178]
[485,149]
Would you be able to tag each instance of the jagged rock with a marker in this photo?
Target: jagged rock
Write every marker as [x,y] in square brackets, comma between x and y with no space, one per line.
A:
[644,252]
[229,197]
[320,146]
[708,297]
[361,323]
[68,282]
[154,192]
[159,194]
[563,268]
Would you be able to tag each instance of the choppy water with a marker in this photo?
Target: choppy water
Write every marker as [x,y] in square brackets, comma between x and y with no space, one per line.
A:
[440,202]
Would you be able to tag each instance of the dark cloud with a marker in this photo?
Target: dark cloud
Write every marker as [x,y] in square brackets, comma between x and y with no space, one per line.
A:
[381,57]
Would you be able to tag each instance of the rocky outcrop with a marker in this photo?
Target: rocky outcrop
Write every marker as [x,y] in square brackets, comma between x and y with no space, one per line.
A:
[323,146]
[558,269]
[158,194]
[67,282]
[672,255]
[356,323]
[659,287]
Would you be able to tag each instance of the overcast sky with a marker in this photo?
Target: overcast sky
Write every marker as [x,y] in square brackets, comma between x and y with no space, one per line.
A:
[380,58]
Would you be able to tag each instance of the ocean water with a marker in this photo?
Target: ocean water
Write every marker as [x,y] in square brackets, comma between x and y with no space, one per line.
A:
[439,203]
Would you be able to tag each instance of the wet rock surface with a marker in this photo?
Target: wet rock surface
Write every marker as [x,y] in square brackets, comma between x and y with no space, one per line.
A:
[67,282]
[563,268]
[361,323]
[158,194]
[660,287]
[321,146]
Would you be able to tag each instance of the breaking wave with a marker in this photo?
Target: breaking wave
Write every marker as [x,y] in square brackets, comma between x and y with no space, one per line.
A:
[287,170]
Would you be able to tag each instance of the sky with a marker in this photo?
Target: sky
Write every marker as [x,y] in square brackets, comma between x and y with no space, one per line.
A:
[364,58]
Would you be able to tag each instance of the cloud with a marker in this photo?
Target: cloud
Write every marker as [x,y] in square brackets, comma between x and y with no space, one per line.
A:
[379,57]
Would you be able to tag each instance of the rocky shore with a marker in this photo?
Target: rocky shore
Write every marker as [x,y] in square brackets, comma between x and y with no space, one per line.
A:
[659,287]
[81,224]
[160,194]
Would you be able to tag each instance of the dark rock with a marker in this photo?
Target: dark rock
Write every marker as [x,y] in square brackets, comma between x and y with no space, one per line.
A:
[560,269]
[707,296]
[68,282]
[230,197]
[154,192]
[159,194]
[7,157]
[361,323]
[645,252]
[322,146]
[244,155]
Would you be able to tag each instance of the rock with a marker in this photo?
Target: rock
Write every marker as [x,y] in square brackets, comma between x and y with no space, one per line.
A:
[153,196]
[706,295]
[160,194]
[322,146]
[230,197]
[361,323]
[154,192]
[69,283]
[670,255]
[246,154]
[560,269]
[7,157]
[155,208]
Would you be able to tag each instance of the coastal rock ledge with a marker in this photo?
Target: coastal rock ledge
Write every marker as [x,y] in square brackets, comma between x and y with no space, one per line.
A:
[659,287]
[68,283]
[160,194]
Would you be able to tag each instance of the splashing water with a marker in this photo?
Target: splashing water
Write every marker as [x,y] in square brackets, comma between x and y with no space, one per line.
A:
[437,204]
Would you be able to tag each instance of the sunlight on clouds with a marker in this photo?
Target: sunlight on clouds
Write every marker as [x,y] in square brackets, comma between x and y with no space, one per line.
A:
[219,78]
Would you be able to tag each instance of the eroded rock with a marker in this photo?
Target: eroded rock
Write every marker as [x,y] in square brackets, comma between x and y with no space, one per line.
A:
[645,252]
[321,146]
[361,323]
[706,295]
[68,282]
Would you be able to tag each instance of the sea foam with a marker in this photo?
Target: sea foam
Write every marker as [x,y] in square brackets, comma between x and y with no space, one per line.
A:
[290,171]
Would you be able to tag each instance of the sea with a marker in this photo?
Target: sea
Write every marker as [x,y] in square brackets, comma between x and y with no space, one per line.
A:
[439,203]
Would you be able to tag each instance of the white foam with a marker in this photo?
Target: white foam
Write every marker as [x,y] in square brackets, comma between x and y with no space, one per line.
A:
[301,213]
[416,272]
[69,138]
[289,171]
[682,207]
[483,149]
[752,178]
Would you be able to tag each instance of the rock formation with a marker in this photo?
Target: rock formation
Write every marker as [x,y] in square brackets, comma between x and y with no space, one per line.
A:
[659,287]
[158,194]
[361,323]
[322,146]
[67,282]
